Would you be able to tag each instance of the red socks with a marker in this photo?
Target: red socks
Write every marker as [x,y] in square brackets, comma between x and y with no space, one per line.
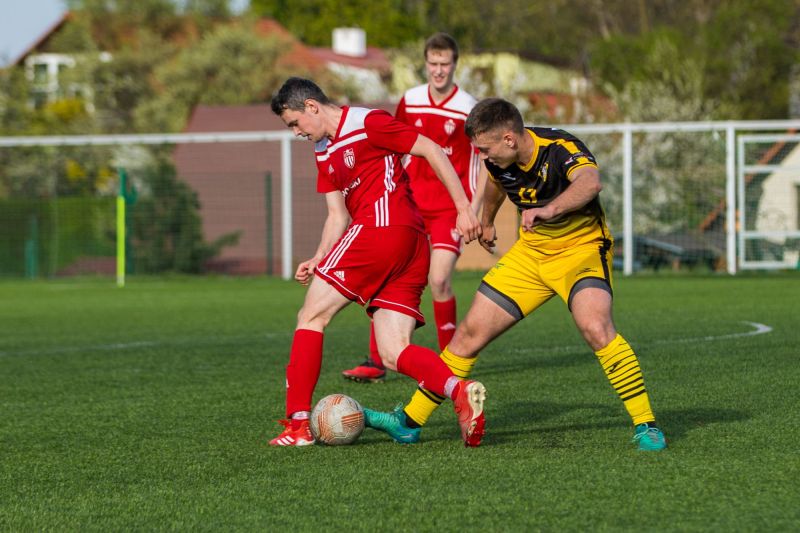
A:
[424,366]
[444,313]
[373,347]
[302,372]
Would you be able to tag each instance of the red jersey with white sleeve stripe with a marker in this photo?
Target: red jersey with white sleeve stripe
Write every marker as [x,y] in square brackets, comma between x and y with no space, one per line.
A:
[444,124]
[363,161]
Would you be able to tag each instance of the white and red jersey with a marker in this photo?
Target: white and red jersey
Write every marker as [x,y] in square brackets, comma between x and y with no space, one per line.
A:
[444,124]
[363,161]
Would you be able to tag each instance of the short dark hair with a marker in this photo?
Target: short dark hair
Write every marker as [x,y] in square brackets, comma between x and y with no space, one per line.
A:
[293,95]
[441,41]
[491,114]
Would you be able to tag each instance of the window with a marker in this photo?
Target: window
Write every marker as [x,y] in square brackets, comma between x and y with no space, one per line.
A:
[797,206]
[40,73]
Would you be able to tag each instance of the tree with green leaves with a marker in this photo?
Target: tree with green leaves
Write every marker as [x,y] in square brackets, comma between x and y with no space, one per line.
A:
[230,65]
[167,232]
[388,23]
[744,52]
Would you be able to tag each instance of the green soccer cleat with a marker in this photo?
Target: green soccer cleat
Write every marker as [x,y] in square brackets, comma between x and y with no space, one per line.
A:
[650,438]
[393,424]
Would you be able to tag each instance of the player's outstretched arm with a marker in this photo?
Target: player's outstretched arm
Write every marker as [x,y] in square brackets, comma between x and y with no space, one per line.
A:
[480,189]
[467,222]
[493,198]
[335,224]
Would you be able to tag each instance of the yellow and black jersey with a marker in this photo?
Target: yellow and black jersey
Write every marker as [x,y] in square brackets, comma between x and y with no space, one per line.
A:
[557,154]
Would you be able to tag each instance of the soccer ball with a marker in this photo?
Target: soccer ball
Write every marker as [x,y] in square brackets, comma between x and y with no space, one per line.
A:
[337,419]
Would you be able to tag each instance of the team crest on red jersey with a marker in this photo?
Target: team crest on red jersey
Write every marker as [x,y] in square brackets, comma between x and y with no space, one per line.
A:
[449,126]
[349,158]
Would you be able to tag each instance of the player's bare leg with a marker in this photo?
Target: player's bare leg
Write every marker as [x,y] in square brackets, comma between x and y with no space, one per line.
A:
[441,270]
[371,370]
[591,310]
[484,321]
[393,333]
[321,304]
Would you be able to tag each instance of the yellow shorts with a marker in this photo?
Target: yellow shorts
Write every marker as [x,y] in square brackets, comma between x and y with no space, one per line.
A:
[522,280]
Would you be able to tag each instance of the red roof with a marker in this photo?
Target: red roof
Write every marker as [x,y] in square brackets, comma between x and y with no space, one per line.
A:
[299,54]
[255,117]
[375,59]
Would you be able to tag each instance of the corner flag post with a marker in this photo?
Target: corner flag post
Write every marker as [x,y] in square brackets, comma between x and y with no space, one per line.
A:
[123,178]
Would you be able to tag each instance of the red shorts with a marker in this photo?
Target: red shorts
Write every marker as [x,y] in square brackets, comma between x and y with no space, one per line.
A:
[383,268]
[441,228]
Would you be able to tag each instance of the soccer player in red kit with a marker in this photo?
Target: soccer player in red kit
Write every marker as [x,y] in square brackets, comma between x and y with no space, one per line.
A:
[373,250]
[437,109]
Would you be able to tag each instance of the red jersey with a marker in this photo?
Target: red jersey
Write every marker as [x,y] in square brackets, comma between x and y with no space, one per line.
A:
[363,161]
[444,124]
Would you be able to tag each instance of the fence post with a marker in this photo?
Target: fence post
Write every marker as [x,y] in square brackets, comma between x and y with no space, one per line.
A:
[286,208]
[627,199]
[730,197]
[32,248]
[268,215]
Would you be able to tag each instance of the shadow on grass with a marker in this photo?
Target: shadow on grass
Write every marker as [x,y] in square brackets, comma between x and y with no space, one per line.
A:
[519,419]
[676,423]
[496,363]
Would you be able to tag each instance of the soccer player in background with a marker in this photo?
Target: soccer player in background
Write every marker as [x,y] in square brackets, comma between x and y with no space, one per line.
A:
[564,248]
[373,250]
[438,110]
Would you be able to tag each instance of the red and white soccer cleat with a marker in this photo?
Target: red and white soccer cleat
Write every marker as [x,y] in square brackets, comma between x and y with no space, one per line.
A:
[297,433]
[366,372]
[468,404]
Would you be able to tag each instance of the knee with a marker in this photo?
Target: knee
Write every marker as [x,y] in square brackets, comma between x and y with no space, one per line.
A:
[389,360]
[440,286]
[466,341]
[309,318]
[390,347]
[389,356]
[598,334]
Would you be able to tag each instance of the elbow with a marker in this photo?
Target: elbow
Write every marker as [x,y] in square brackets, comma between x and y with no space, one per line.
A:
[594,185]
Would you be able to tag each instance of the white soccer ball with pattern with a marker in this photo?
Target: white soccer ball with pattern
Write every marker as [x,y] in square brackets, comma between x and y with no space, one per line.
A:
[337,419]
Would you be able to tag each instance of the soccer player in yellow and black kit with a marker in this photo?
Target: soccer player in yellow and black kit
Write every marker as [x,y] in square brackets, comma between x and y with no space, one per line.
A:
[564,248]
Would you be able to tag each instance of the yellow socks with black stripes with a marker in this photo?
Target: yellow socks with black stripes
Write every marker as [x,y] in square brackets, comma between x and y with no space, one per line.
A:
[622,370]
[424,402]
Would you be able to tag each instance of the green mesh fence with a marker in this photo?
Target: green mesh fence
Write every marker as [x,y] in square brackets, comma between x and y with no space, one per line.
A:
[56,236]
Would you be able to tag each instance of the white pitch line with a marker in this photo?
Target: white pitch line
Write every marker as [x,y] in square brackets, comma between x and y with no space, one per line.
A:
[758,329]
[136,344]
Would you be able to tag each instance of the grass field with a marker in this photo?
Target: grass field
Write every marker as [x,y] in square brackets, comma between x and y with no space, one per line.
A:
[149,408]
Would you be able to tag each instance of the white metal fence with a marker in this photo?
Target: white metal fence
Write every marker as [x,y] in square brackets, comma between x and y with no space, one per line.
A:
[768,192]
[685,195]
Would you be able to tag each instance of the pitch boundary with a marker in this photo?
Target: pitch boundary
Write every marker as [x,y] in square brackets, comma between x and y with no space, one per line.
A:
[757,329]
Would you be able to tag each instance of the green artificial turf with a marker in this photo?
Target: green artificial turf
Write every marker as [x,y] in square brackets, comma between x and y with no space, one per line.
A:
[150,408]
